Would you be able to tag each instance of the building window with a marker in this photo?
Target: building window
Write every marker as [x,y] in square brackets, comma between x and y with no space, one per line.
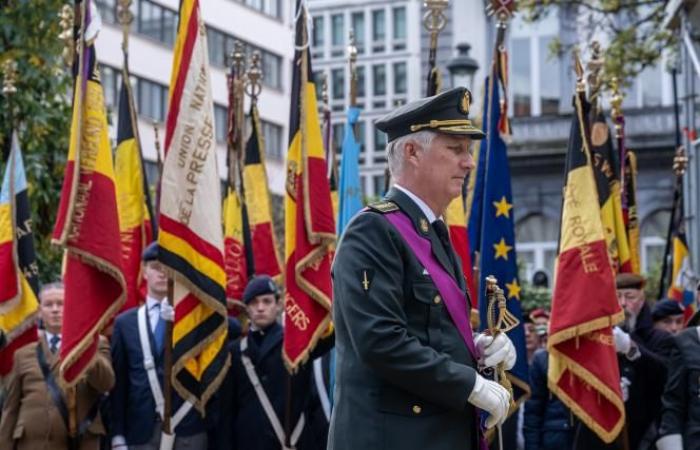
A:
[338,135]
[319,76]
[650,86]
[536,245]
[520,84]
[358,26]
[361,81]
[338,83]
[379,140]
[379,79]
[653,239]
[378,25]
[361,135]
[379,181]
[152,99]
[110,79]
[220,123]
[269,7]
[337,30]
[318,32]
[399,25]
[272,70]
[108,10]
[272,134]
[156,22]
[400,84]
[550,91]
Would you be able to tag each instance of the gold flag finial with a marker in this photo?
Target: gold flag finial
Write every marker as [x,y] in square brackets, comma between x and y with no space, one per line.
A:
[578,68]
[254,77]
[595,68]
[352,61]
[434,19]
[125,17]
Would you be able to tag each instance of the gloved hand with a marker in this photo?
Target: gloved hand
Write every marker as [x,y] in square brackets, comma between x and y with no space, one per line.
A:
[494,351]
[623,341]
[670,442]
[167,312]
[492,398]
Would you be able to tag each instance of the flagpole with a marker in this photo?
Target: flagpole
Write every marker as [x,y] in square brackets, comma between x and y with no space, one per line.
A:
[126,18]
[9,72]
[434,22]
[168,363]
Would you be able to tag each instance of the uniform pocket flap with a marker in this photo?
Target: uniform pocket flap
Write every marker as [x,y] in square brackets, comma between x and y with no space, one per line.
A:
[395,401]
[425,292]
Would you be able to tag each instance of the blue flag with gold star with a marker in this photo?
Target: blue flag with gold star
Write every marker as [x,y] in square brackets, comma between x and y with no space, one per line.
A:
[494,236]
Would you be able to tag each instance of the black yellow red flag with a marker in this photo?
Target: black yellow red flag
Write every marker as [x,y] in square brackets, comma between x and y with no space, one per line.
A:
[583,368]
[87,223]
[19,274]
[309,223]
[190,236]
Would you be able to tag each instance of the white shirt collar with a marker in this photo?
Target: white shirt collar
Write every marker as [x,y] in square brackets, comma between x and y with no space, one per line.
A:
[151,302]
[49,336]
[429,214]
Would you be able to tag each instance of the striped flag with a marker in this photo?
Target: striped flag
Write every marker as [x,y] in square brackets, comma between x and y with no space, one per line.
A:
[19,275]
[309,224]
[583,368]
[607,178]
[257,200]
[132,198]
[329,146]
[683,278]
[238,255]
[87,223]
[190,237]
[629,210]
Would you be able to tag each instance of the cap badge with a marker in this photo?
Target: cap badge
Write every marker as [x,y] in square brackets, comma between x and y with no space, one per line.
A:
[465,103]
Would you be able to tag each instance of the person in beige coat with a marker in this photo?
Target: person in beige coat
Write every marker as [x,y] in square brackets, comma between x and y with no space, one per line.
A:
[32,418]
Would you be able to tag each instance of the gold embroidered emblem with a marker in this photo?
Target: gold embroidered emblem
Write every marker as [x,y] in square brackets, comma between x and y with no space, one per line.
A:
[465,103]
[365,281]
[384,207]
[423,223]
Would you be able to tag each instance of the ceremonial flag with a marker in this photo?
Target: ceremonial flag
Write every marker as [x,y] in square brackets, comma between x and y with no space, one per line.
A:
[238,255]
[607,178]
[19,274]
[327,130]
[350,192]
[456,219]
[497,244]
[132,197]
[190,237]
[258,203]
[583,369]
[87,223]
[629,209]
[309,224]
[683,278]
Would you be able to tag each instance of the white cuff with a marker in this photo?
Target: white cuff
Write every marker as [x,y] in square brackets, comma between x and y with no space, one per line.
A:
[118,441]
[670,442]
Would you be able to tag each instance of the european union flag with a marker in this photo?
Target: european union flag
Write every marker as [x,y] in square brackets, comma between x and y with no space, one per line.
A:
[491,229]
[350,191]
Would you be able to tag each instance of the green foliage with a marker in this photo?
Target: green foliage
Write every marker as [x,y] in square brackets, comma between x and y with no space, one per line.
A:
[40,109]
[631,31]
[532,297]
[651,287]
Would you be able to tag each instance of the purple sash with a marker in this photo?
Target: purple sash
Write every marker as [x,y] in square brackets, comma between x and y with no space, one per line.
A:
[451,294]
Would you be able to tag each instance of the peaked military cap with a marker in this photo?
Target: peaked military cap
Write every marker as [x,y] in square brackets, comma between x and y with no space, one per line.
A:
[447,112]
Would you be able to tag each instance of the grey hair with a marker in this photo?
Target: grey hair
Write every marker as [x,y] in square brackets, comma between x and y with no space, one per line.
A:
[394,154]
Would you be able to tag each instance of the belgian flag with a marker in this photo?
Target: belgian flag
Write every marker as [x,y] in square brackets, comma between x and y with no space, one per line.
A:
[607,177]
[132,197]
[309,223]
[19,274]
[583,368]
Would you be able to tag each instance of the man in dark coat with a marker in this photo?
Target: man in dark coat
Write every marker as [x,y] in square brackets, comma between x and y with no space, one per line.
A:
[406,374]
[680,417]
[136,410]
[256,418]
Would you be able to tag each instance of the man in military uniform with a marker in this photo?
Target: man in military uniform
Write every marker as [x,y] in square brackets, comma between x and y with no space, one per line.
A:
[407,360]
[35,414]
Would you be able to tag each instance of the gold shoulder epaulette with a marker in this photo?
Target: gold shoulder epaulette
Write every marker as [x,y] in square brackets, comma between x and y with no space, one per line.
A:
[383,207]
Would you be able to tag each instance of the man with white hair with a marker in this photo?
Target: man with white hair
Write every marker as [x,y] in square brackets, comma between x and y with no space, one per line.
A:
[406,368]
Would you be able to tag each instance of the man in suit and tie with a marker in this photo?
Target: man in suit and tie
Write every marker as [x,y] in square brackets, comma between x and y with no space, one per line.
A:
[137,354]
[407,362]
[35,413]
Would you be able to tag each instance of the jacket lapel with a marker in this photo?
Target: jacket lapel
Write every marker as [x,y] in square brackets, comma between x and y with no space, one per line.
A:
[419,220]
[273,338]
[51,358]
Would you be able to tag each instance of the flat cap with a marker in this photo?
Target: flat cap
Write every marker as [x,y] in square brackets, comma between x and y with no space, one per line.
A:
[629,281]
[259,285]
[664,308]
[447,112]
[150,253]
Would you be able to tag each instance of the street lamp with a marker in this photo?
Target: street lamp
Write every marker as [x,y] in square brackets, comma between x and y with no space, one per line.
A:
[462,67]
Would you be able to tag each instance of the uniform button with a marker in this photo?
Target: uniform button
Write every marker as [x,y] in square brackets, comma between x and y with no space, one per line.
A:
[437,299]
[417,409]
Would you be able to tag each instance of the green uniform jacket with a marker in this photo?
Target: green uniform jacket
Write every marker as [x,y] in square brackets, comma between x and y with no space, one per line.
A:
[403,372]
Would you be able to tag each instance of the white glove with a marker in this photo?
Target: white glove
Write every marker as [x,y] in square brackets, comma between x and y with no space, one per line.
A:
[167,312]
[623,342]
[492,398]
[670,442]
[494,351]
[625,387]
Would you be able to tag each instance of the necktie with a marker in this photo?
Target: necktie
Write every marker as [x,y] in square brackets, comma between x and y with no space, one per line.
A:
[444,236]
[53,343]
[159,332]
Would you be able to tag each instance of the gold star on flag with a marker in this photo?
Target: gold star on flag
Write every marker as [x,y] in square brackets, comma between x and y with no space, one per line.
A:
[503,207]
[513,289]
[502,249]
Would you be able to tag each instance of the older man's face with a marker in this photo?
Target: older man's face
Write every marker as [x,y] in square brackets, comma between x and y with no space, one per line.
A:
[443,167]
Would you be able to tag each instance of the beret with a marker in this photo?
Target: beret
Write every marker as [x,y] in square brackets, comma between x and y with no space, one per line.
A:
[664,308]
[259,285]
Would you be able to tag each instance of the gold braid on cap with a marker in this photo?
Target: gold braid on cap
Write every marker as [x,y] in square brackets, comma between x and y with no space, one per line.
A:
[441,124]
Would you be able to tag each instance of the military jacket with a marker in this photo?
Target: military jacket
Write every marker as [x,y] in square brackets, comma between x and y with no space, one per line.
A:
[403,372]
